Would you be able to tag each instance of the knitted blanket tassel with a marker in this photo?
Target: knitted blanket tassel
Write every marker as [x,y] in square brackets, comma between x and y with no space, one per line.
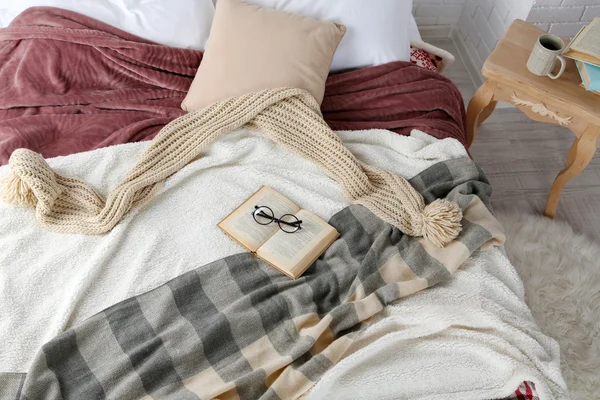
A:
[290,117]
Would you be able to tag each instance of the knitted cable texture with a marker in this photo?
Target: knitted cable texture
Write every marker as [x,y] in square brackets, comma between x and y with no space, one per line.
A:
[290,117]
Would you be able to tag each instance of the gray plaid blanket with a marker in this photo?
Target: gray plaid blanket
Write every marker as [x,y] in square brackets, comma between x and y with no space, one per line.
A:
[239,329]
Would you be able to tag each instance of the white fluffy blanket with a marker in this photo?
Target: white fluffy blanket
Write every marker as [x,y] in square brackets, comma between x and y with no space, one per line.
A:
[51,281]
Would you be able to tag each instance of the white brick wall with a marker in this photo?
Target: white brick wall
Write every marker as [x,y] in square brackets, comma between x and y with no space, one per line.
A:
[483,22]
[437,12]
[563,17]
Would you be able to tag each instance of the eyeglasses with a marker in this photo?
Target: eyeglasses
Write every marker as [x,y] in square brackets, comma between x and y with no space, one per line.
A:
[288,223]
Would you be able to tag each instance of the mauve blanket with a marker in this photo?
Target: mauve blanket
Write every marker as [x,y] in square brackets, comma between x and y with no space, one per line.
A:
[69,83]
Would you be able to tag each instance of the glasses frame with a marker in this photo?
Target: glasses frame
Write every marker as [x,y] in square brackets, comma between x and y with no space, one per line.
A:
[259,209]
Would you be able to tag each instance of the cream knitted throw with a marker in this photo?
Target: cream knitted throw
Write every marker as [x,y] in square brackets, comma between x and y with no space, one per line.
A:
[290,117]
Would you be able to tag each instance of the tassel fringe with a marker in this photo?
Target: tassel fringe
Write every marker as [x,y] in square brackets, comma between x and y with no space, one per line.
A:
[441,222]
[16,192]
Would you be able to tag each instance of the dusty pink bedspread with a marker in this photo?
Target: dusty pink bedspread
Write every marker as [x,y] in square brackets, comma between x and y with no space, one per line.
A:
[69,83]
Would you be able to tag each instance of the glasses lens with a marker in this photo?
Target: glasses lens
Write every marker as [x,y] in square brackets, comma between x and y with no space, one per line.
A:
[289,223]
[263,215]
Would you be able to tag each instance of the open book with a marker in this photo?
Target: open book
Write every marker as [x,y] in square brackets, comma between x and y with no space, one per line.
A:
[586,45]
[291,253]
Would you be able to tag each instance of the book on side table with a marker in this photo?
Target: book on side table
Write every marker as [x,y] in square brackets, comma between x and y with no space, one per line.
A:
[590,75]
[585,46]
[279,232]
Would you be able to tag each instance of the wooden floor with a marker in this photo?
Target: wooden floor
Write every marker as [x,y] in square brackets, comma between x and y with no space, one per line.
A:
[522,157]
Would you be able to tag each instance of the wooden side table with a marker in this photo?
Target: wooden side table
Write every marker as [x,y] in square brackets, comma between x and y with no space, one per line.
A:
[563,101]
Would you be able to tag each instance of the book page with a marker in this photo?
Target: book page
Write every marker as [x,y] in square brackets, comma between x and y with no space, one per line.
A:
[588,40]
[240,224]
[294,252]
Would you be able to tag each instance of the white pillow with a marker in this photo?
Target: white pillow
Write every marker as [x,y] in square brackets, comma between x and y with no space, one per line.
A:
[176,23]
[376,30]
[413,30]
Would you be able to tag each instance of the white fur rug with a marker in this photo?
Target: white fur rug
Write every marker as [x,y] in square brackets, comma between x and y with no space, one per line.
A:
[561,273]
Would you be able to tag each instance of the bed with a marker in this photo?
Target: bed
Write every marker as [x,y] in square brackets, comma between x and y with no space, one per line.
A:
[118,315]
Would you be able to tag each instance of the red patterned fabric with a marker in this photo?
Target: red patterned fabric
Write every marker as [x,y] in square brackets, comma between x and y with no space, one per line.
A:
[526,391]
[423,59]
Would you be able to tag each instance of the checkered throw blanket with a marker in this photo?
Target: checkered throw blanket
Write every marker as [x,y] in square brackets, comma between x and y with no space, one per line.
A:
[237,328]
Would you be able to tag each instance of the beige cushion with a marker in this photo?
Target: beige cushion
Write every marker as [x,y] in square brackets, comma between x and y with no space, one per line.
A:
[252,48]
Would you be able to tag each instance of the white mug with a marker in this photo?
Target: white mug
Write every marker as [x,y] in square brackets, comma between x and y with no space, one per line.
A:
[548,48]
